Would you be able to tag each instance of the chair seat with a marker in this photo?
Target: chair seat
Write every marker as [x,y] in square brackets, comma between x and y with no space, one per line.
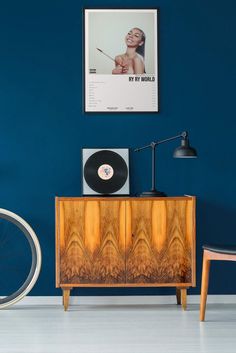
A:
[222,249]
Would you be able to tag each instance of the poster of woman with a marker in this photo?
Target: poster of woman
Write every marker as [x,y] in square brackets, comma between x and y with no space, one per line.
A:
[121,60]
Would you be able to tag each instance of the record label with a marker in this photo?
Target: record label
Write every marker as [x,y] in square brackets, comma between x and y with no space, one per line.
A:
[105,172]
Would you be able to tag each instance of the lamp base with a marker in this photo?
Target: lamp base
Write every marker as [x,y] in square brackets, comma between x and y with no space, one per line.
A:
[153,193]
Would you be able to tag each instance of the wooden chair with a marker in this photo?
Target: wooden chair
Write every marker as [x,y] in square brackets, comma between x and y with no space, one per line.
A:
[213,252]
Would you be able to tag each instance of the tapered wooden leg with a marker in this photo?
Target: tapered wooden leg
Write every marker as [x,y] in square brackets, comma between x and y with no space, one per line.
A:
[178,296]
[66,297]
[184,298]
[204,286]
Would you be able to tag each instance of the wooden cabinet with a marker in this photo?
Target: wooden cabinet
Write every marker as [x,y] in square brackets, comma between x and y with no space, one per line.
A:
[125,242]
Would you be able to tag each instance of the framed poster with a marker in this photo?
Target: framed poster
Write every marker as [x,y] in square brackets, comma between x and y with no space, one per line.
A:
[121,60]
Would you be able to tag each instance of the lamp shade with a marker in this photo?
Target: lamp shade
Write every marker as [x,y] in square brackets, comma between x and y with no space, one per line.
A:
[185,150]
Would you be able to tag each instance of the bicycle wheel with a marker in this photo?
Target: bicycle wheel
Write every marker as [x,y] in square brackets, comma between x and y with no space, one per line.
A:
[14,253]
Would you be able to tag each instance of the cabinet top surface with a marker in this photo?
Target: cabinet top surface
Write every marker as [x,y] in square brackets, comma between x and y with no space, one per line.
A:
[123,198]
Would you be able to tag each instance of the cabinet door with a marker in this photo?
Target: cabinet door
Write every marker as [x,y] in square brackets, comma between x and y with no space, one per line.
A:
[91,242]
[160,241]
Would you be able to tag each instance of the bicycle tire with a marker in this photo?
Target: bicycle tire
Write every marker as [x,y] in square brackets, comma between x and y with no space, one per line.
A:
[35,263]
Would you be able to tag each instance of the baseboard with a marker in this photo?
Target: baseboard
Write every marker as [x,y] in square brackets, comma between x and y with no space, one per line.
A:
[125,300]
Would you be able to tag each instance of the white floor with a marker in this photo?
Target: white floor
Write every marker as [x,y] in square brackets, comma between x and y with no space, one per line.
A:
[117,328]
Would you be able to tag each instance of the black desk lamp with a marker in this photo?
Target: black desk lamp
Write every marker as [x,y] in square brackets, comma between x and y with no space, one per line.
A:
[183,151]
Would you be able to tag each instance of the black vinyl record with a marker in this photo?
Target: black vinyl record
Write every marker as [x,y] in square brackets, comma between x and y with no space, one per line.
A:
[105,172]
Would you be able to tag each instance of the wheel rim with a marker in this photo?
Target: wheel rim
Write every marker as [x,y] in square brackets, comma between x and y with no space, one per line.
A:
[35,256]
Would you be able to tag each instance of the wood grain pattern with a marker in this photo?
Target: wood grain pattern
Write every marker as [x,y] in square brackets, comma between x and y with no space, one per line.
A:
[125,242]
[92,242]
[159,241]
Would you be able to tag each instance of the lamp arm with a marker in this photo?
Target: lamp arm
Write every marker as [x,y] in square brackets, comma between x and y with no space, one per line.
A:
[184,135]
[152,145]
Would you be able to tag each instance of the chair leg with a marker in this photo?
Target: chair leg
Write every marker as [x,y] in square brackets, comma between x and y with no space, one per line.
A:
[204,286]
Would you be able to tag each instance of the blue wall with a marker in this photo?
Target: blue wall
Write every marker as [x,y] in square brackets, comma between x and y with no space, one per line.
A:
[43,127]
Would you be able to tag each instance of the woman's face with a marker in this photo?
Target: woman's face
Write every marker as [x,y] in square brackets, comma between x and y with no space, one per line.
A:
[134,38]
